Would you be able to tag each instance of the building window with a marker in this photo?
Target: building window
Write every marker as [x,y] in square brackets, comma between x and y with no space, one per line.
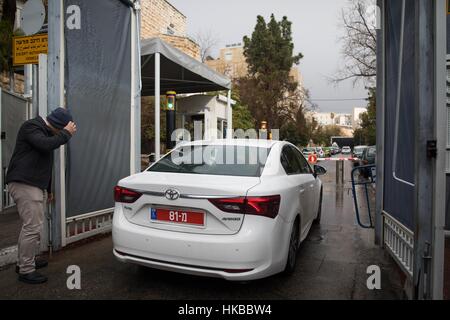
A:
[228,56]
[170,31]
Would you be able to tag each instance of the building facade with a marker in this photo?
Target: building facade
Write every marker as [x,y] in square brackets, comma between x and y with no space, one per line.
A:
[330,118]
[231,62]
[159,18]
[356,117]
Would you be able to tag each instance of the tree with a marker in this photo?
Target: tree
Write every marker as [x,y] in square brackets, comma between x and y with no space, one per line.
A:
[367,134]
[269,92]
[242,118]
[323,134]
[207,42]
[359,48]
[7,22]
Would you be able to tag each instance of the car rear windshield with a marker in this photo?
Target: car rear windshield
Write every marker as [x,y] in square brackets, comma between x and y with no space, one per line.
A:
[223,160]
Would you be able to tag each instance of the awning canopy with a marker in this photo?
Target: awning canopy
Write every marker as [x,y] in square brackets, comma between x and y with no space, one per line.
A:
[179,72]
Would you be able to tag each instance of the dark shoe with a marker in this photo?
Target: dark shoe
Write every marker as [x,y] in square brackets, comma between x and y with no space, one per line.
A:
[32,278]
[39,264]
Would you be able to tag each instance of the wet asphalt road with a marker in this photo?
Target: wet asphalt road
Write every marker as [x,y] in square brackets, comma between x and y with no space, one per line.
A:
[332,264]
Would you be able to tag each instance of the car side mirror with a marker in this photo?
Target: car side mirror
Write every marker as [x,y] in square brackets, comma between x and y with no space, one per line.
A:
[319,170]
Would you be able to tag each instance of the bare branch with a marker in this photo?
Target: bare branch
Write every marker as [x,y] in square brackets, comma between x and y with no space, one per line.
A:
[359,45]
[207,42]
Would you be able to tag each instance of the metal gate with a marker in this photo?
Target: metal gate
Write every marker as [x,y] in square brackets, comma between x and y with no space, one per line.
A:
[15,110]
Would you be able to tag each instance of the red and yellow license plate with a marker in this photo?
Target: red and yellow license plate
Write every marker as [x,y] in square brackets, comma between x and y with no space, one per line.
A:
[178,216]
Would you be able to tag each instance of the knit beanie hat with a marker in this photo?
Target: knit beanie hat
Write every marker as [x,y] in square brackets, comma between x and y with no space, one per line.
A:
[59,118]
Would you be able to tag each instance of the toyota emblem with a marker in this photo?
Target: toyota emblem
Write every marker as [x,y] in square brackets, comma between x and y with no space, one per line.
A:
[172,194]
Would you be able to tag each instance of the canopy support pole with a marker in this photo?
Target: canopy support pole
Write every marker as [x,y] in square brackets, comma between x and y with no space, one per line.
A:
[229,117]
[157,105]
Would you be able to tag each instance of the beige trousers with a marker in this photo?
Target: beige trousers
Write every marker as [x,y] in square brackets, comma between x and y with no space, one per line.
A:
[30,204]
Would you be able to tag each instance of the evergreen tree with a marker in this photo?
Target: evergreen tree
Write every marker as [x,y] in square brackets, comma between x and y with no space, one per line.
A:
[269,92]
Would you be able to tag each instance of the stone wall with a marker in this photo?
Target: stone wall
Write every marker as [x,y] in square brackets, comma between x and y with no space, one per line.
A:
[161,19]
[18,82]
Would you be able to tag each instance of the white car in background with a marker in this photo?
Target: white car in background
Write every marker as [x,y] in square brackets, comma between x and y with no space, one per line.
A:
[239,221]
[346,150]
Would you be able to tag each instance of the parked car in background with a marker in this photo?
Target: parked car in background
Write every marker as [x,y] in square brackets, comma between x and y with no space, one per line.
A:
[239,220]
[335,150]
[357,153]
[369,155]
[307,151]
[368,158]
[346,150]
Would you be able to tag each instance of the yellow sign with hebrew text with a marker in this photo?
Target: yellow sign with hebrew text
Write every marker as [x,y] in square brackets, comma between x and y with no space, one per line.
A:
[26,49]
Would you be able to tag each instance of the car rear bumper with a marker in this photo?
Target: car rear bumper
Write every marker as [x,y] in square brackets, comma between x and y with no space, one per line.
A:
[258,250]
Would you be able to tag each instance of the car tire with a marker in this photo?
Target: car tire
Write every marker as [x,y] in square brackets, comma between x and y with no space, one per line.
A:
[319,211]
[294,244]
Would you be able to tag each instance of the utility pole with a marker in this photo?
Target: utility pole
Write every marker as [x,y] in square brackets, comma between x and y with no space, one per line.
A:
[56,99]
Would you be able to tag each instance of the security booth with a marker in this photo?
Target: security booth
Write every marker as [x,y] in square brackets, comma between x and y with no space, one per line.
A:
[165,68]
[411,141]
[209,110]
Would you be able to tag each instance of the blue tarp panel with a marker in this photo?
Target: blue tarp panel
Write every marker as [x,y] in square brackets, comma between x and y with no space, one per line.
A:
[398,196]
[98,91]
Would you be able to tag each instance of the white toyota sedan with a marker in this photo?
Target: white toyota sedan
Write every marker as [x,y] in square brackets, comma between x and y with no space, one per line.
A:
[233,209]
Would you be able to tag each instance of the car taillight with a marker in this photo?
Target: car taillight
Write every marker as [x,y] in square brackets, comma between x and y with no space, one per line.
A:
[124,195]
[267,206]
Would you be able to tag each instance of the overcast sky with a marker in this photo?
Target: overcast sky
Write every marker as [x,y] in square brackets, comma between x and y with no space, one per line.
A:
[316,32]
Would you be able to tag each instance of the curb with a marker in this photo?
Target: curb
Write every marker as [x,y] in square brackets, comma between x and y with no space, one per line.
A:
[8,256]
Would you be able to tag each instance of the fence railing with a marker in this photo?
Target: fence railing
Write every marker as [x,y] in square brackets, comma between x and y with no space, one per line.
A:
[399,240]
[88,225]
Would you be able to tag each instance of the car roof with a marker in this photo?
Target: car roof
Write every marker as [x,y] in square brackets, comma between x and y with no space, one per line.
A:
[234,142]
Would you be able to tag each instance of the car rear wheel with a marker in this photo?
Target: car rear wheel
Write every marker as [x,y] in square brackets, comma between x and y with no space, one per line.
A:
[319,211]
[293,248]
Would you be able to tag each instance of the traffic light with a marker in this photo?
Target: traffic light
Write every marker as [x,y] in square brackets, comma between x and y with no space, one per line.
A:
[171,100]
[170,118]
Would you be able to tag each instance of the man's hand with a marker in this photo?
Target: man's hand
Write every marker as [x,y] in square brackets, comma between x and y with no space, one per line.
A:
[71,127]
[50,197]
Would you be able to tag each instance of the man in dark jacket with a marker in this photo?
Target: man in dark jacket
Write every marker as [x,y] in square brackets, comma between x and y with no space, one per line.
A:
[29,183]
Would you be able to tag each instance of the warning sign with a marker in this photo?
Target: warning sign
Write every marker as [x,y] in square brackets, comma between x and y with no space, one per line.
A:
[26,49]
[312,159]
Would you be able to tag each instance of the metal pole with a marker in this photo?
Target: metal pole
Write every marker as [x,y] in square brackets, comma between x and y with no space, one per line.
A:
[56,99]
[437,272]
[380,124]
[28,75]
[337,172]
[132,102]
[424,133]
[229,117]
[157,106]
[42,106]
[35,92]
[137,97]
